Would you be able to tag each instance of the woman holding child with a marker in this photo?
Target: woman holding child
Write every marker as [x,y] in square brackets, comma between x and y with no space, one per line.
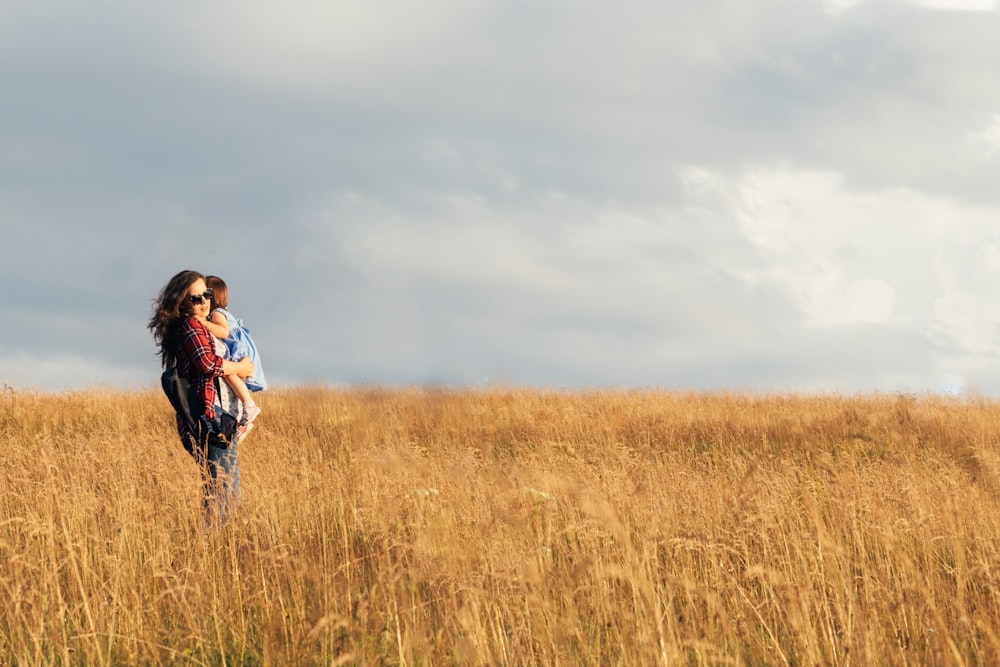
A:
[179,327]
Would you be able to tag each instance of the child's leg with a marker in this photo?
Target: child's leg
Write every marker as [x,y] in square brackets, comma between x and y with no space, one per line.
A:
[250,409]
[239,387]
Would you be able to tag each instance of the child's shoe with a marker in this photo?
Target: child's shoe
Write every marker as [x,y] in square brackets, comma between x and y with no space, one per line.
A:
[250,413]
[243,431]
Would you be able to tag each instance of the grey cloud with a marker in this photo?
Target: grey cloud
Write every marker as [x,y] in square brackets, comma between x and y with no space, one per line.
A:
[479,190]
[543,309]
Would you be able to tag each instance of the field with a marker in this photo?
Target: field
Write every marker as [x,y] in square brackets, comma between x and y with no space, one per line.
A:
[424,526]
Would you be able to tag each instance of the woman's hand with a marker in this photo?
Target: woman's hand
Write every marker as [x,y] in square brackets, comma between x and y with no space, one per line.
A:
[243,367]
[246,367]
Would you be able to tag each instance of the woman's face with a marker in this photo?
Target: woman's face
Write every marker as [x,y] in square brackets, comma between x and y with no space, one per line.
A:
[196,302]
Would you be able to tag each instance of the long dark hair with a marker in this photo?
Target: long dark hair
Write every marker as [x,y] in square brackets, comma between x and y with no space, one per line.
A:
[169,309]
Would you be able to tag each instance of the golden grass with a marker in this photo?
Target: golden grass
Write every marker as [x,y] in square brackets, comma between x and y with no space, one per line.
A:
[507,527]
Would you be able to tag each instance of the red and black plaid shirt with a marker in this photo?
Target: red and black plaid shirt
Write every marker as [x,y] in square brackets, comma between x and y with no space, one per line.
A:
[198,362]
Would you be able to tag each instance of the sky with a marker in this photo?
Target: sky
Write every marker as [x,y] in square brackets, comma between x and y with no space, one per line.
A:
[777,195]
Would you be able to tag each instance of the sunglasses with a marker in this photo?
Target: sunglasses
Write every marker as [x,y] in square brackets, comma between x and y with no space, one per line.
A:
[197,298]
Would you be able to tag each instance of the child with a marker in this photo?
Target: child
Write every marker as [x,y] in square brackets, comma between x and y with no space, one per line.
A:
[236,337]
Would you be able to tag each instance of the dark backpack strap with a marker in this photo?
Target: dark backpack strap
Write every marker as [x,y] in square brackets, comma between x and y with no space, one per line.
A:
[222,431]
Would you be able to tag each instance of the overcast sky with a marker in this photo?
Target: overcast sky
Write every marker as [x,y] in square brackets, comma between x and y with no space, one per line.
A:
[774,195]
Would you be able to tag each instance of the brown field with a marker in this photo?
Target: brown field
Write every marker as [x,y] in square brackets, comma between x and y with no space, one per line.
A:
[507,527]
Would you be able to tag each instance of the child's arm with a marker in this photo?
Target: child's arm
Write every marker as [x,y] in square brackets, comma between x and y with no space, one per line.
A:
[217,325]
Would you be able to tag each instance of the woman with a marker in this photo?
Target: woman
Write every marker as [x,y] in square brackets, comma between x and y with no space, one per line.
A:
[178,327]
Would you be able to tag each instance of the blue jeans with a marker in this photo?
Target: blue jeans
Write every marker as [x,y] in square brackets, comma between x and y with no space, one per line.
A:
[221,482]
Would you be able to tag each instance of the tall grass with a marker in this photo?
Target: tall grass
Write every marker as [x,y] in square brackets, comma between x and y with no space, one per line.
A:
[506,527]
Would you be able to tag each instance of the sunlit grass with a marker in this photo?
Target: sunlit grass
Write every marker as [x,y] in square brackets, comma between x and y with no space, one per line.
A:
[506,527]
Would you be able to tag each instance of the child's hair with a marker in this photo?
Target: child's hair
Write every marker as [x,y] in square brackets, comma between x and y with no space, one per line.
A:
[220,293]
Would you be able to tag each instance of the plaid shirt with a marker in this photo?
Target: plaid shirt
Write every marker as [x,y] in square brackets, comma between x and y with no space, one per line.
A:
[198,362]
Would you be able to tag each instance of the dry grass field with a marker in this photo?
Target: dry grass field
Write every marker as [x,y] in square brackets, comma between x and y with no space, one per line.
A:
[425,526]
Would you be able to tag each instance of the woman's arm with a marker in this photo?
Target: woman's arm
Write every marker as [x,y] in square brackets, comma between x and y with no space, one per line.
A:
[217,325]
[200,348]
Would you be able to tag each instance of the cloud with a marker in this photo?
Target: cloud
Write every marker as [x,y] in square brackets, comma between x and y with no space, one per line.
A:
[839,6]
[964,5]
[823,242]
[566,291]
[987,139]
[899,258]
[713,194]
